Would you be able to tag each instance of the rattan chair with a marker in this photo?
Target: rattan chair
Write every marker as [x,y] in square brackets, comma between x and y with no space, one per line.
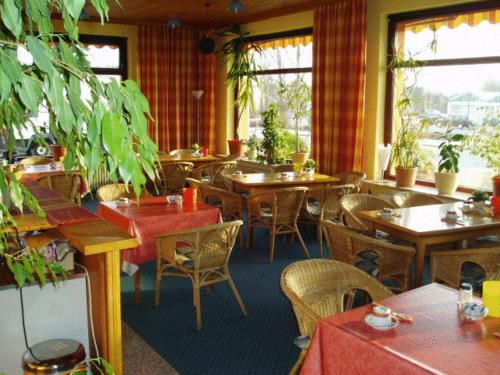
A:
[201,254]
[350,204]
[381,259]
[35,160]
[446,266]
[173,176]
[181,153]
[323,204]
[68,185]
[353,178]
[112,192]
[212,173]
[276,210]
[413,199]
[318,288]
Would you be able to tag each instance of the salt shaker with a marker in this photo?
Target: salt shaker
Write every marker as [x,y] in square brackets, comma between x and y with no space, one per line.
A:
[464,294]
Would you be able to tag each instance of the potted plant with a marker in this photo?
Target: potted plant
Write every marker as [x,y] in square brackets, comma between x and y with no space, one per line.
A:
[274,136]
[310,166]
[195,147]
[478,198]
[446,177]
[406,153]
[298,96]
[485,143]
[252,147]
[241,75]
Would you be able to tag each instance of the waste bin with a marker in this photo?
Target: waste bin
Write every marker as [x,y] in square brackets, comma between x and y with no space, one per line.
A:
[54,357]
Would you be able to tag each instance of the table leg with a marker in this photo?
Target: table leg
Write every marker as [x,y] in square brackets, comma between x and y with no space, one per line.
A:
[419,263]
[137,286]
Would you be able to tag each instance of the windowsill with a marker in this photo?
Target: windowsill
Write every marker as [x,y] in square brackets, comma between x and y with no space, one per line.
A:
[391,184]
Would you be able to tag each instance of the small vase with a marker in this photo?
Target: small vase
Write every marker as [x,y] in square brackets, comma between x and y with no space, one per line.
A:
[235,147]
[405,177]
[496,185]
[252,154]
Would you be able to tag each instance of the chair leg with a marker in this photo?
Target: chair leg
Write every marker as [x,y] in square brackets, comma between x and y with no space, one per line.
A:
[306,251]
[272,240]
[298,364]
[320,239]
[197,303]
[250,236]
[158,286]
[137,286]
[235,292]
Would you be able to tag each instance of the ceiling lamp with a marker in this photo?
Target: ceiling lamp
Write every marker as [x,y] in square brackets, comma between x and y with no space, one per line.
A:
[207,44]
[236,7]
[174,22]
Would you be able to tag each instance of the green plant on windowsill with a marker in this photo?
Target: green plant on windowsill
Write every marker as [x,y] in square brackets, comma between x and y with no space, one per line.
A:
[479,196]
[310,164]
[273,144]
[446,177]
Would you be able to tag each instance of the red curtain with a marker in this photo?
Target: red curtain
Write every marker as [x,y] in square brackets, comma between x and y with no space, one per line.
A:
[339,59]
[170,68]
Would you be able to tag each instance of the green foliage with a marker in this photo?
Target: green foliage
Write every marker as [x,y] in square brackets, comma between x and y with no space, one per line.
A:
[93,366]
[242,72]
[253,143]
[298,95]
[485,143]
[480,196]
[449,152]
[273,143]
[310,164]
[291,144]
[195,147]
[115,115]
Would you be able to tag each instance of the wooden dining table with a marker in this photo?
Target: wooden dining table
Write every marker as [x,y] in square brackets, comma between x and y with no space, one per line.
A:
[36,172]
[424,225]
[198,161]
[438,341]
[258,182]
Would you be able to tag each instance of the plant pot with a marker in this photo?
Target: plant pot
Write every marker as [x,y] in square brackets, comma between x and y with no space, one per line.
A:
[235,147]
[496,185]
[57,151]
[446,183]
[252,154]
[299,157]
[405,177]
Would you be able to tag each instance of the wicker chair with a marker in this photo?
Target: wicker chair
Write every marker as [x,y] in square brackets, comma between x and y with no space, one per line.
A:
[381,259]
[68,185]
[317,288]
[276,210]
[323,204]
[173,176]
[201,254]
[446,266]
[213,172]
[181,153]
[412,199]
[350,204]
[353,178]
[112,192]
[35,160]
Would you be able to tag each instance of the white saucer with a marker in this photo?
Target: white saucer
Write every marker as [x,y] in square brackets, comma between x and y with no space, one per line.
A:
[384,216]
[369,319]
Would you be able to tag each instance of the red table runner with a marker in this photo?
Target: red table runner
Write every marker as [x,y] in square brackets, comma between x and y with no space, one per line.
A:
[436,342]
[70,215]
[152,218]
[36,172]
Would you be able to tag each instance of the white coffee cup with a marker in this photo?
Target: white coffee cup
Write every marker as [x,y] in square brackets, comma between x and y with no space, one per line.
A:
[381,315]
[451,215]
[386,213]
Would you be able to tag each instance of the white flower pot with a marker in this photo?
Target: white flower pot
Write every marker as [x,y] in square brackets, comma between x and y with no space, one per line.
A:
[446,183]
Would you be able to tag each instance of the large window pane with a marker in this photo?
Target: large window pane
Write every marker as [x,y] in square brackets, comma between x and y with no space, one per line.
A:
[285,58]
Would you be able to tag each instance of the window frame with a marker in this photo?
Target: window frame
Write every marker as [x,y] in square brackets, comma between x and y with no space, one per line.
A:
[393,21]
[119,41]
[268,37]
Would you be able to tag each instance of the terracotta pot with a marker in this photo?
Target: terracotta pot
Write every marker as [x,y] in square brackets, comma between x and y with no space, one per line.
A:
[496,185]
[235,147]
[57,151]
[446,183]
[405,177]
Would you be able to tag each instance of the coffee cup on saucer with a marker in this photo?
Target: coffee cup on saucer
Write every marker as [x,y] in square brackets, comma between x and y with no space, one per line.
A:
[386,213]
[451,215]
[382,315]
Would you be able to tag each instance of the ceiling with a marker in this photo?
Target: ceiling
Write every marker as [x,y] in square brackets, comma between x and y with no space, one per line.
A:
[194,13]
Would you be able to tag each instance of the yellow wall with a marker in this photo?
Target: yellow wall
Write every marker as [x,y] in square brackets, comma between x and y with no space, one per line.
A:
[109,29]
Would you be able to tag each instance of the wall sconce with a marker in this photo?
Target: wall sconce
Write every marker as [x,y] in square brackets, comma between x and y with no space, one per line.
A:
[174,22]
[236,7]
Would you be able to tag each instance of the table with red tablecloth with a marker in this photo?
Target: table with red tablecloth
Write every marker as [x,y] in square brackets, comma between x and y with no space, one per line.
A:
[36,172]
[154,216]
[437,341]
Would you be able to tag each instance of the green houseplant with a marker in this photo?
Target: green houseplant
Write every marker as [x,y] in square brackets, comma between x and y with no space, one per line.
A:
[241,74]
[114,116]
[310,166]
[252,147]
[273,144]
[446,176]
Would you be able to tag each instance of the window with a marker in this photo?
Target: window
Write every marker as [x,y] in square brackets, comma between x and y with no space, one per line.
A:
[285,79]
[457,82]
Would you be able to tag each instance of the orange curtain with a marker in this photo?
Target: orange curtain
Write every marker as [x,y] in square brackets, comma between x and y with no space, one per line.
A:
[339,59]
[170,68]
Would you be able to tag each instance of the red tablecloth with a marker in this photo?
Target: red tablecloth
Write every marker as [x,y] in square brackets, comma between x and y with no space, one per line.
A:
[151,218]
[70,215]
[436,342]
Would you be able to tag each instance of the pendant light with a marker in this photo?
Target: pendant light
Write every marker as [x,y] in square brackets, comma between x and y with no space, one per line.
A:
[174,22]
[206,44]
[236,6]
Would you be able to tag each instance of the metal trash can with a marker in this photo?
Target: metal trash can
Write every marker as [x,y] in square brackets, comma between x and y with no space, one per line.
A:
[54,357]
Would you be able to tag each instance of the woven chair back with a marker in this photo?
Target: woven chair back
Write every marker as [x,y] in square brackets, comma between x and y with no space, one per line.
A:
[173,176]
[213,172]
[35,160]
[413,199]
[112,192]
[446,266]
[66,185]
[287,203]
[317,288]
[326,199]
[350,204]
[181,153]
[353,178]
